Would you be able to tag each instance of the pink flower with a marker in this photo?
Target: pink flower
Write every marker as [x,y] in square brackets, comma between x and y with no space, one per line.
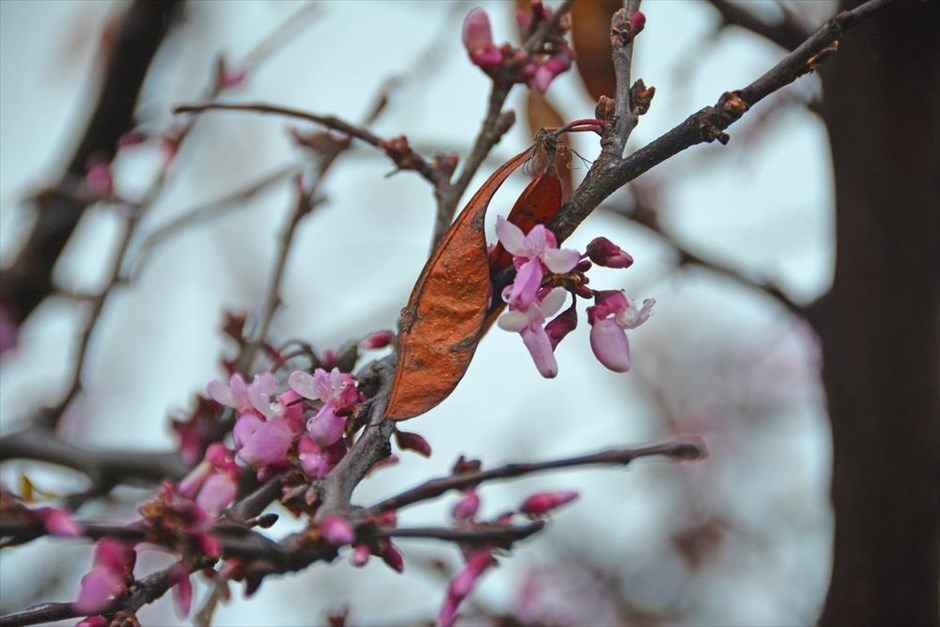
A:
[466,508]
[528,322]
[183,590]
[540,243]
[605,253]
[244,398]
[112,567]
[58,522]
[546,72]
[478,40]
[611,315]
[360,555]
[338,392]
[337,530]
[214,482]
[267,443]
[317,461]
[544,502]
[461,585]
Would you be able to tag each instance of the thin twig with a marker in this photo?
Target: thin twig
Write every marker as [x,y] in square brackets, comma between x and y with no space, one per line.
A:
[622,37]
[205,213]
[676,449]
[503,536]
[417,163]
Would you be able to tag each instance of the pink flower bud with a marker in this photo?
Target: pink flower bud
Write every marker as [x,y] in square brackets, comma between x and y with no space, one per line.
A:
[638,21]
[380,339]
[94,621]
[360,555]
[98,179]
[563,324]
[413,442]
[388,518]
[605,253]
[478,40]
[183,591]
[544,502]
[337,530]
[393,557]
[466,508]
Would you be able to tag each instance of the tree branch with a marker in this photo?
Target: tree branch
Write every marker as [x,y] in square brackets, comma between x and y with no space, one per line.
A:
[679,449]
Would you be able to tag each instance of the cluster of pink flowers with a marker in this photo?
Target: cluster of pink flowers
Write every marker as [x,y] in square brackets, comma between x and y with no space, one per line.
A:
[537,71]
[271,431]
[544,273]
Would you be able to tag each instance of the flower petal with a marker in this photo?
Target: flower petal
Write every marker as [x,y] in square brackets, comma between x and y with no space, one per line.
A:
[514,321]
[526,285]
[220,393]
[540,347]
[268,444]
[326,427]
[553,301]
[610,345]
[562,260]
[511,237]
[304,384]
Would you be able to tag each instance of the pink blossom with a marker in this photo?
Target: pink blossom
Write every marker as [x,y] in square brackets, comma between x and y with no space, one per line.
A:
[360,555]
[461,585]
[244,398]
[478,40]
[544,502]
[337,531]
[412,442]
[113,565]
[98,177]
[528,323]
[546,72]
[338,392]
[612,314]
[317,461]
[94,621]
[58,522]
[183,590]
[466,508]
[539,243]
[605,253]
[268,443]
[213,483]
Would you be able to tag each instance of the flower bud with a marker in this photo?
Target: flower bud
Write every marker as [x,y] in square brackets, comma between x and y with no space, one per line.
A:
[337,531]
[605,253]
[544,502]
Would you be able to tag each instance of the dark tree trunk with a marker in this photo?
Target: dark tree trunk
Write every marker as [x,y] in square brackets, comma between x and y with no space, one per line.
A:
[879,323]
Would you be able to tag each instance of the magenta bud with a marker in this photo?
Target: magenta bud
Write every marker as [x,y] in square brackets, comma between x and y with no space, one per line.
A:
[393,557]
[466,508]
[389,517]
[360,555]
[563,324]
[413,442]
[337,531]
[544,502]
[605,253]
[380,339]
[638,21]
[583,266]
